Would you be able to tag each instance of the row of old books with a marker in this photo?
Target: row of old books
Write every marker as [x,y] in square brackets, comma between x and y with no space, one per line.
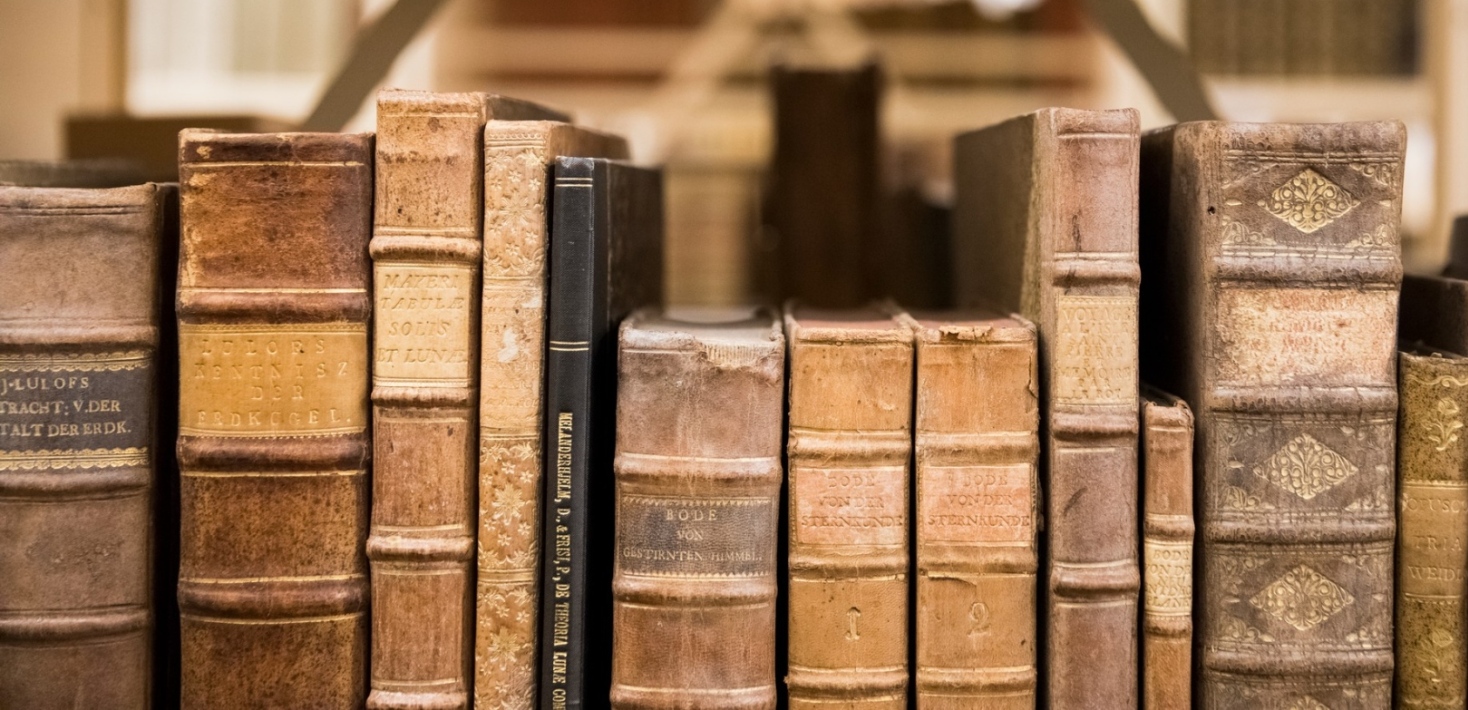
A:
[963,521]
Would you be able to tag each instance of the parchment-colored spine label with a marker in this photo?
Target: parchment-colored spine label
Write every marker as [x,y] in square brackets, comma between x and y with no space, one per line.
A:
[255,380]
[422,324]
[850,506]
[75,411]
[1168,577]
[695,537]
[1095,349]
[977,504]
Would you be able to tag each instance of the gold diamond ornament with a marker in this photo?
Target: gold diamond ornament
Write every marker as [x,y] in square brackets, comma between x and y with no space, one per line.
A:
[1302,598]
[1309,201]
[1305,467]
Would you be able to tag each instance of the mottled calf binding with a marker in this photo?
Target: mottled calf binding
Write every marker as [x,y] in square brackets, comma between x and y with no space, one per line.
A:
[697,508]
[977,446]
[1273,269]
[426,259]
[1045,224]
[79,338]
[273,450]
[849,450]
[1167,552]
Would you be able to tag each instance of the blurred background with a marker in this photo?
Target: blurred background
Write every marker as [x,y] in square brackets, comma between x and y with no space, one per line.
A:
[693,84]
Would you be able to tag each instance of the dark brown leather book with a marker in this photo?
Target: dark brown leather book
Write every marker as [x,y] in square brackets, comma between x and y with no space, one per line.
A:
[977,447]
[517,168]
[273,305]
[1271,303]
[1435,311]
[698,474]
[1045,224]
[1457,266]
[79,337]
[1167,552]
[426,261]
[822,200]
[1432,500]
[849,448]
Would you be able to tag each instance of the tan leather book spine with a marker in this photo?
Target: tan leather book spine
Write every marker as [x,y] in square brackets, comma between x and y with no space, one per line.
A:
[1167,552]
[1274,263]
[1432,505]
[1046,225]
[79,335]
[698,472]
[517,163]
[273,305]
[849,449]
[977,447]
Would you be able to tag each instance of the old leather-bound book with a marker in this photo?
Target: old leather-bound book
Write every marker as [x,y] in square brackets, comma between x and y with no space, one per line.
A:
[1045,223]
[1435,311]
[698,474]
[1167,552]
[1432,500]
[1272,263]
[426,260]
[849,448]
[273,305]
[70,173]
[977,448]
[517,166]
[79,337]
[606,259]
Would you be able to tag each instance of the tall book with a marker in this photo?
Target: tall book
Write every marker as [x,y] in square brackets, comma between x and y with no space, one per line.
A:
[977,447]
[1432,503]
[606,259]
[426,246]
[79,341]
[273,305]
[698,473]
[517,168]
[1273,263]
[1167,552]
[1045,224]
[849,447]
[822,202]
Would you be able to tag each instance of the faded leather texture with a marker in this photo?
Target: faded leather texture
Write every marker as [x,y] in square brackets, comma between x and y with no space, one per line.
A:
[1273,269]
[426,254]
[698,474]
[849,449]
[1045,223]
[977,448]
[79,334]
[273,305]
[1432,505]
[517,163]
[1167,552]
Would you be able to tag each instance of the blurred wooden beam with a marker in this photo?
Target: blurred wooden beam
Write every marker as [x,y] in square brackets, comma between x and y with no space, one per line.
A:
[372,55]
[1165,66]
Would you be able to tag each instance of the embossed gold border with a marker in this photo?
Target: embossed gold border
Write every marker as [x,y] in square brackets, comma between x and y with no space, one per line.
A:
[68,459]
[75,362]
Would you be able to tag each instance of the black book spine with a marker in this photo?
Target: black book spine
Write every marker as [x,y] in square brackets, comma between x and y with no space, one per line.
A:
[569,359]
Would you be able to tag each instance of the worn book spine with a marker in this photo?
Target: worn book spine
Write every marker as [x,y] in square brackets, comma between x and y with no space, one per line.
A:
[1276,254]
[425,260]
[1167,552]
[273,306]
[698,476]
[1046,224]
[517,160]
[849,451]
[977,447]
[79,338]
[1432,505]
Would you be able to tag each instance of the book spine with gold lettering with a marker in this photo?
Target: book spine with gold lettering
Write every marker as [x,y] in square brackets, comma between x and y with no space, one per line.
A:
[273,304]
[517,165]
[425,259]
[977,447]
[698,475]
[1274,263]
[79,346]
[1432,505]
[849,452]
